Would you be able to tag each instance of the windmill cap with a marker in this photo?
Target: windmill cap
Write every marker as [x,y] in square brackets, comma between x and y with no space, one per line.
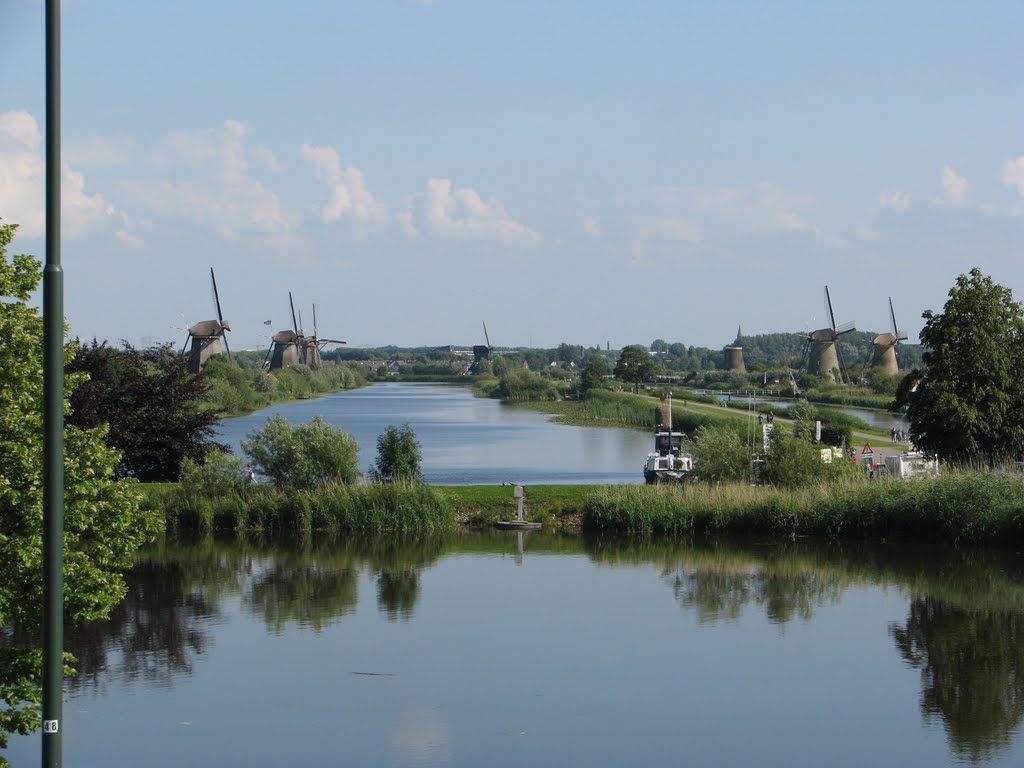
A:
[209,328]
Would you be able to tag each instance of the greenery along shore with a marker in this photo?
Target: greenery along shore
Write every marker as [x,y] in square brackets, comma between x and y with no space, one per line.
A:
[961,508]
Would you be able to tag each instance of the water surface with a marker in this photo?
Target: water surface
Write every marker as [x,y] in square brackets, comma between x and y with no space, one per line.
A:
[503,650]
[467,440]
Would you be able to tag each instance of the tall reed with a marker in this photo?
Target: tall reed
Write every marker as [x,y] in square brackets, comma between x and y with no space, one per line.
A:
[960,507]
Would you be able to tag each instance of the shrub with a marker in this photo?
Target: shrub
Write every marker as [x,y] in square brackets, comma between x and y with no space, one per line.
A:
[398,456]
[305,455]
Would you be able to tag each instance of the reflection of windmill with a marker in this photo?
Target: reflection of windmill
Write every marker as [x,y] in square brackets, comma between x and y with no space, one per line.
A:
[885,347]
[481,352]
[312,345]
[822,351]
[206,336]
[285,346]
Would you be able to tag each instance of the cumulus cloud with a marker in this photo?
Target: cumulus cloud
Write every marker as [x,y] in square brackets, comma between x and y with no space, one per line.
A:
[268,158]
[954,187]
[95,152]
[765,208]
[222,192]
[349,196]
[895,201]
[23,182]
[1013,175]
[664,235]
[446,210]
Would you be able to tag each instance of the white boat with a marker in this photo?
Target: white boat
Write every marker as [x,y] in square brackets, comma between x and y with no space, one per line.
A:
[668,463]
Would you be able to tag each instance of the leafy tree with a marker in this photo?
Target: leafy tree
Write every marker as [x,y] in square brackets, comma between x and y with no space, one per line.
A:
[635,366]
[720,455]
[151,402]
[593,373]
[102,523]
[398,456]
[969,406]
[306,455]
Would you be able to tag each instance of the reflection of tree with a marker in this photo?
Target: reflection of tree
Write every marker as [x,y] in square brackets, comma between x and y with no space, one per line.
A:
[718,593]
[153,634]
[307,593]
[397,590]
[972,671]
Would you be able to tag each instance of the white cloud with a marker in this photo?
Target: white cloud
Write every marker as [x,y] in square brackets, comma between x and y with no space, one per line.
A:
[128,239]
[591,227]
[765,208]
[895,201]
[95,152]
[664,235]
[21,129]
[954,187]
[1013,175]
[268,158]
[23,183]
[446,210]
[223,195]
[349,196]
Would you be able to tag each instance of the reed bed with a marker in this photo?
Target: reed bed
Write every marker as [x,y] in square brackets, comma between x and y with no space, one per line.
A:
[969,508]
[377,508]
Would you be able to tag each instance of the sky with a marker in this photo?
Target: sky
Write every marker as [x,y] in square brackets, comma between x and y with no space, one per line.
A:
[590,172]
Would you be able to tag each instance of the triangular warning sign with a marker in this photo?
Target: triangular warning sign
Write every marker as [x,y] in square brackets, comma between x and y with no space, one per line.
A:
[867,450]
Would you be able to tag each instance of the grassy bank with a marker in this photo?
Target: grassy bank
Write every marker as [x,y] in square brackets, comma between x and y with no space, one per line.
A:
[958,508]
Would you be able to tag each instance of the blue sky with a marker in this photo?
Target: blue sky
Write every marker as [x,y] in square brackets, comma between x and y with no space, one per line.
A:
[586,172]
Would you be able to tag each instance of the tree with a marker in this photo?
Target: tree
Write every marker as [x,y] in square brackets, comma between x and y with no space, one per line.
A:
[720,455]
[593,373]
[102,523]
[635,366]
[306,455]
[151,402]
[969,405]
[398,456]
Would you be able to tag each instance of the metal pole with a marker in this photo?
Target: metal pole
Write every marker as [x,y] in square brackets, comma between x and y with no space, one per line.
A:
[53,413]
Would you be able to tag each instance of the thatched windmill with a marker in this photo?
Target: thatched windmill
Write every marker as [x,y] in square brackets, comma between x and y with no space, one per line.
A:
[481,352]
[285,346]
[885,347]
[206,336]
[312,345]
[822,350]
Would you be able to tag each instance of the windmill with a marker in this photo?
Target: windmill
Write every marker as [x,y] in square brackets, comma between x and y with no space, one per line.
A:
[285,346]
[206,336]
[822,350]
[885,347]
[312,345]
[734,354]
[481,352]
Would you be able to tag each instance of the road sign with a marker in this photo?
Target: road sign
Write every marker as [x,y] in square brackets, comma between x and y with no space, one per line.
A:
[866,450]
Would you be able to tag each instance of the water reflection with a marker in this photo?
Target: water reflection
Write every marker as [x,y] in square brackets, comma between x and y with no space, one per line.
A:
[972,672]
[963,627]
[154,634]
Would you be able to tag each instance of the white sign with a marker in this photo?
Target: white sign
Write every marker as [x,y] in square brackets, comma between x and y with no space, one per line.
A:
[51,726]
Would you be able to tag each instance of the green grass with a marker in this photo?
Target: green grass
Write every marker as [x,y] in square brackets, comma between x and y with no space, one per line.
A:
[963,508]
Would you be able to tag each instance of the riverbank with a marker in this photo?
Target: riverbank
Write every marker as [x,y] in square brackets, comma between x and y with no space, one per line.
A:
[959,508]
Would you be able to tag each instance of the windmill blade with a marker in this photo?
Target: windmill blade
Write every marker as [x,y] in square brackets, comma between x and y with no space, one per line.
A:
[316,330]
[486,337]
[216,297]
[266,358]
[295,323]
[301,332]
[892,314]
[845,328]
[331,341]
[844,377]
[828,303]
